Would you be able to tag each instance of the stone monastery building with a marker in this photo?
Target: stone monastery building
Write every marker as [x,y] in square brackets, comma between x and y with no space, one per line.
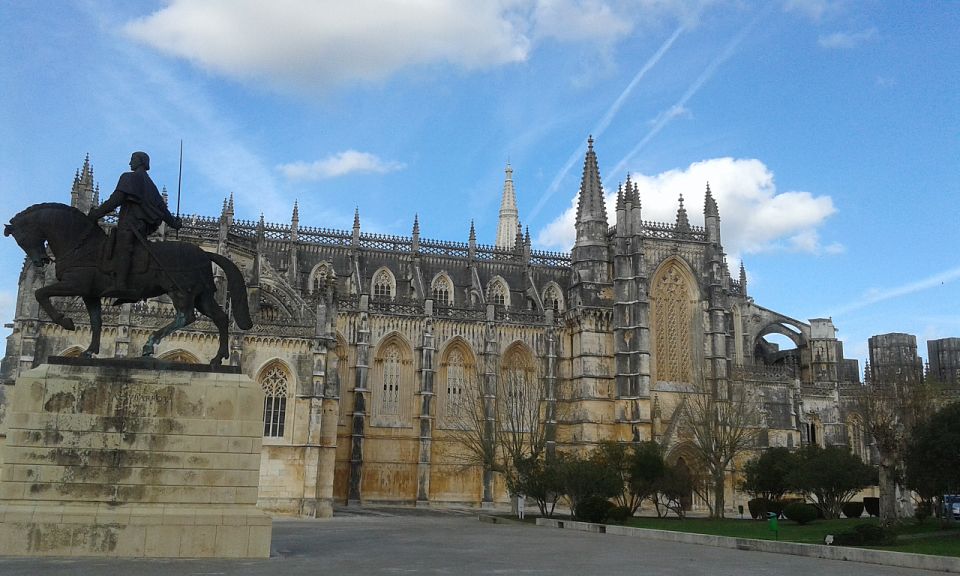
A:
[368,347]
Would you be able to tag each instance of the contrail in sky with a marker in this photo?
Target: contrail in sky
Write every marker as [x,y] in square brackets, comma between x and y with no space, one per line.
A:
[874,296]
[605,121]
[670,113]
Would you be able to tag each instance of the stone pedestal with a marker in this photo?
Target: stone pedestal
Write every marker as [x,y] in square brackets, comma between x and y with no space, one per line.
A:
[108,460]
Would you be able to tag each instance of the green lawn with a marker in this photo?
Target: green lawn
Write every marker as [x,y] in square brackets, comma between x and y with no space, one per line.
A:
[812,533]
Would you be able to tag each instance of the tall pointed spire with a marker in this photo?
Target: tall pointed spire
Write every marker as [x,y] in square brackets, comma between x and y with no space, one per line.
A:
[509,217]
[709,204]
[230,205]
[743,279]
[356,218]
[473,232]
[416,224]
[590,205]
[83,191]
[683,223]
[296,212]
[295,223]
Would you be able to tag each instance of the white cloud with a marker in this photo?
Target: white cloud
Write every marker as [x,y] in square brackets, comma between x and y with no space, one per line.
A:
[812,9]
[848,39]
[754,216]
[339,164]
[307,44]
[574,20]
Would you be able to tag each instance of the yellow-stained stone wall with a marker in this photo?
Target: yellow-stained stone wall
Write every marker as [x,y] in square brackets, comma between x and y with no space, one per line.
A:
[132,462]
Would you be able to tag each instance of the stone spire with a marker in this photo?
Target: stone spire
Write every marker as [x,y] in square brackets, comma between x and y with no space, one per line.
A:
[711,217]
[295,222]
[473,232]
[355,242]
[415,236]
[589,254]
[230,206]
[509,217]
[709,204]
[518,240]
[743,279]
[590,205]
[683,223]
[83,192]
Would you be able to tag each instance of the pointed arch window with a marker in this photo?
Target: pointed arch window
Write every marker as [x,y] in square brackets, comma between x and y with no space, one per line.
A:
[672,317]
[458,394]
[384,285]
[856,438]
[552,299]
[442,290]
[519,394]
[274,379]
[322,273]
[498,293]
[392,379]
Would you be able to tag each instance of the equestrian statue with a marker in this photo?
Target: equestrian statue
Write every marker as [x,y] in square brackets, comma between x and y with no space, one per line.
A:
[125,265]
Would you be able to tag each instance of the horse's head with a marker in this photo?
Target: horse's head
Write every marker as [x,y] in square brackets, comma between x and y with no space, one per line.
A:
[30,240]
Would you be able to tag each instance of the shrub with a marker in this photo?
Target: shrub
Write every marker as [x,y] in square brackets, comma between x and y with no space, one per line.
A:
[853,509]
[800,513]
[775,506]
[619,514]
[872,505]
[593,509]
[866,535]
[758,508]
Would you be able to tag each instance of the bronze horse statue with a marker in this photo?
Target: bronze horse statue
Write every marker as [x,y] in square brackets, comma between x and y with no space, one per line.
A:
[178,269]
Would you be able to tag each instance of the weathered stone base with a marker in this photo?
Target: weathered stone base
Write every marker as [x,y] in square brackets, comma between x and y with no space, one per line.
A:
[129,530]
[112,461]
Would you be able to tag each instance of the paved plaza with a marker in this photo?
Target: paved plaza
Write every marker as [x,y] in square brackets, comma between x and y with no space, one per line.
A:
[415,542]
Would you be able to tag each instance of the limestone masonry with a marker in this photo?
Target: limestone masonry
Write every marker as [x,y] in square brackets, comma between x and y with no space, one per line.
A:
[366,346]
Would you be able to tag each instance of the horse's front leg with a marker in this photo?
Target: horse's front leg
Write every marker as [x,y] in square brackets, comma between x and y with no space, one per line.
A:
[43,296]
[179,321]
[96,322]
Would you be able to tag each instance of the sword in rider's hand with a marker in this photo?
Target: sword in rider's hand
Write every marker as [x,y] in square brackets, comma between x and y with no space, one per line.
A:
[179,179]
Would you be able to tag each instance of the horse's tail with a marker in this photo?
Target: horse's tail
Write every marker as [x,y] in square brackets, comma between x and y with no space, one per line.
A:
[237,287]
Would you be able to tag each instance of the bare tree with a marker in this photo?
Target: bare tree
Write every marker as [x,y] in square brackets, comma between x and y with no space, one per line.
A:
[504,431]
[890,411]
[722,421]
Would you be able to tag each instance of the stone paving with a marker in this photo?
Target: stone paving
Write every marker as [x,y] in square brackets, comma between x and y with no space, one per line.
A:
[410,541]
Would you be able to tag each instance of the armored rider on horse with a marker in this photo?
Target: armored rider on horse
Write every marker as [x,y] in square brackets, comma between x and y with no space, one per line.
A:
[142,210]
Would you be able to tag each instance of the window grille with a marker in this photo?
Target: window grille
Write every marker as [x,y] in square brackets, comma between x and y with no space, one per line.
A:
[274,384]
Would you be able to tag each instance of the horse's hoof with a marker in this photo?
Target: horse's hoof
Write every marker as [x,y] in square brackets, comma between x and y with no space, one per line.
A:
[147,351]
[216,362]
[67,324]
[87,354]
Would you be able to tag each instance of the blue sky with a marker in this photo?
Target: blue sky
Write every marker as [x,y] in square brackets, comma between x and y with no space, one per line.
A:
[829,130]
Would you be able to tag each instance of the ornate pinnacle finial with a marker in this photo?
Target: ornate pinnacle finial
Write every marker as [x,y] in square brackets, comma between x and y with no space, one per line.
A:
[526,238]
[356,218]
[590,142]
[683,223]
[416,224]
[296,211]
[620,204]
[709,204]
[165,196]
[223,211]
[473,232]
[230,204]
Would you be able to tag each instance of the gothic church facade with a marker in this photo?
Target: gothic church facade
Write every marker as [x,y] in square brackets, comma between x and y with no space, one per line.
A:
[367,346]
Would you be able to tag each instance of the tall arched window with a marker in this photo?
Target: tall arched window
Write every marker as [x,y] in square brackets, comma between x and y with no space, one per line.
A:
[672,317]
[498,293]
[458,395]
[442,290]
[384,285]
[391,394]
[519,394]
[274,379]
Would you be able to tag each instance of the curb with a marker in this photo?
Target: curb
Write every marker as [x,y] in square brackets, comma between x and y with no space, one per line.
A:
[499,520]
[899,559]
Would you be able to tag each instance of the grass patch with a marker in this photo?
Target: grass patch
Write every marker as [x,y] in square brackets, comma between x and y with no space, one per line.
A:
[812,533]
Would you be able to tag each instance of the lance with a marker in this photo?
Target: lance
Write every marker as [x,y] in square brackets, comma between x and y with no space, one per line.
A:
[179,180]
